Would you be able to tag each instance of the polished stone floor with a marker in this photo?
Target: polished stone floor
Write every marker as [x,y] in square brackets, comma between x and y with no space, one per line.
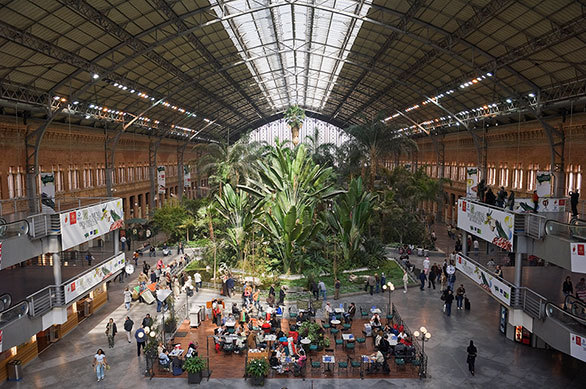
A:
[500,363]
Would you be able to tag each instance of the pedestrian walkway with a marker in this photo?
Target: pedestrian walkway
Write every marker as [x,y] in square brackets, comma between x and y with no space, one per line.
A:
[500,363]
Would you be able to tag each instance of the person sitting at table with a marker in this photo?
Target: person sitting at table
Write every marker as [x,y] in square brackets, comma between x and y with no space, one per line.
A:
[379,359]
[377,339]
[260,340]
[164,360]
[275,362]
[243,316]
[300,361]
[177,366]
[402,335]
[251,340]
[384,345]
[349,316]
[266,327]
[235,310]
[191,350]
[302,317]
[329,312]
[400,349]
[375,321]
[275,324]
[240,342]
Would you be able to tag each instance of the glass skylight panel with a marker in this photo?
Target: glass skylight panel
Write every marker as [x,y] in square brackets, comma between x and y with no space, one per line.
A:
[295,51]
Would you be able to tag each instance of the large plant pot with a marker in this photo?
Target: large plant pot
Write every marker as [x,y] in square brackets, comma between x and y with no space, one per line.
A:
[257,381]
[194,378]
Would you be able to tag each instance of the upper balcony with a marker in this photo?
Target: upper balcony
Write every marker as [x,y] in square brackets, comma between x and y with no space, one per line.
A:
[63,224]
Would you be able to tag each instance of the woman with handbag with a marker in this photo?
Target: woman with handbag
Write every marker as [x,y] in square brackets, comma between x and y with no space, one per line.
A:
[100,364]
[471,357]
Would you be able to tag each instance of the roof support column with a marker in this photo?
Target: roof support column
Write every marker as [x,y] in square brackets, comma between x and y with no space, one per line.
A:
[181,170]
[557,139]
[154,144]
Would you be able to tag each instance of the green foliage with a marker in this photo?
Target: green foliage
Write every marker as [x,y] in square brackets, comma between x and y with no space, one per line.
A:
[168,218]
[349,218]
[315,333]
[294,116]
[258,367]
[290,187]
[194,365]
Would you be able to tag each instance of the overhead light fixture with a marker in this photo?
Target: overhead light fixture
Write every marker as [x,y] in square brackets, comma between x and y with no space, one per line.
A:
[489,74]
[56,98]
[87,116]
[509,101]
[132,91]
[531,95]
[96,76]
[75,102]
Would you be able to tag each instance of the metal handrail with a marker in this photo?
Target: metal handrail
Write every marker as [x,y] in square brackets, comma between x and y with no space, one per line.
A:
[13,313]
[11,229]
[576,229]
[577,306]
[554,311]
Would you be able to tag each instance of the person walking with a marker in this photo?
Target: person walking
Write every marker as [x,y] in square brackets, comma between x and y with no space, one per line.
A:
[574,198]
[405,281]
[313,289]
[322,289]
[567,289]
[282,295]
[180,248]
[535,198]
[256,299]
[377,283]
[383,280]
[111,331]
[432,276]
[128,243]
[449,300]
[140,336]
[460,292]
[472,351]
[511,201]
[128,324]
[422,278]
[197,280]
[476,246]
[337,285]
[371,283]
[123,243]
[100,363]
[127,298]
[147,321]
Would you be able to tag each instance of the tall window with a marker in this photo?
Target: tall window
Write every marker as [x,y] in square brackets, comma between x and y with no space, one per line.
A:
[573,178]
[15,182]
[518,177]
[531,174]
[504,176]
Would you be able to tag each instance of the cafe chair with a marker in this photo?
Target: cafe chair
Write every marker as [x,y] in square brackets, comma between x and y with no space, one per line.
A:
[355,365]
[346,327]
[231,330]
[343,365]
[164,367]
[339,342]
[350,346]
[312,347]
[315,365]
[325,325]
[361,340]
[400,362]
[293,312]
[363,314]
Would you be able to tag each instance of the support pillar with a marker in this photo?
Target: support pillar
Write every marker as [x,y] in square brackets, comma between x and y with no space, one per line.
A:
[180,170]
[116,238]
[518,269]
[464,243]
[57,269]
[153,148]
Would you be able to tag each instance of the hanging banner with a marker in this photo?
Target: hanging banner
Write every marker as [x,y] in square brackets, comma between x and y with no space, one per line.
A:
[545,204]
[487,223]
[47,193]
[161,178]
[83,225]
[486,280]
[87,281]
[186,177]
[472,182]
[543,183]
[578,347]
[578,257]
[0,341]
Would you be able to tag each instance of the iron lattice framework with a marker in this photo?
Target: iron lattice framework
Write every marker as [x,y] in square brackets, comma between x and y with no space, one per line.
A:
[213,69]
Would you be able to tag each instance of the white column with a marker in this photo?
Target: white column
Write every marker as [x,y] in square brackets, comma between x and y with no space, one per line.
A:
[518,269]
[57,268]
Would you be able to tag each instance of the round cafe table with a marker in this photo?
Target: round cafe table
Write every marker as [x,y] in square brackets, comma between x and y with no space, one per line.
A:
[335,322]
[305,341]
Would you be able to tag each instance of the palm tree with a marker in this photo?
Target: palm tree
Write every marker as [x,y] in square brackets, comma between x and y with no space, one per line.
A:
[322,154]
[374,140]
[189,222]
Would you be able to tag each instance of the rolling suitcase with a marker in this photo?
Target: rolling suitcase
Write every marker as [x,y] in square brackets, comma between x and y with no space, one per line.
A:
[466,304]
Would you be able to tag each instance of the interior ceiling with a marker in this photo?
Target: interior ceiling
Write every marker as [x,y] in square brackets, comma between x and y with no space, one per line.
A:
[222,67]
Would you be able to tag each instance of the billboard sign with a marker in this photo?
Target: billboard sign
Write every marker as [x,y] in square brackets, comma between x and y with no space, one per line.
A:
[47,192]
[578,257]
[487,281]
[87,281]
[472,182]
[490,224]
[186,177]
[161,179]
[543,182]
[578,347]
[82,225]
[545,204]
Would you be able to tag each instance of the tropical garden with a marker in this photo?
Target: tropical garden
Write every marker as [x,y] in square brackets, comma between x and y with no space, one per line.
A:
[304,208]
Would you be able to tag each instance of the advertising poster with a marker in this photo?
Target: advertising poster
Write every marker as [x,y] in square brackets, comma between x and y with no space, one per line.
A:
[83,225]
[472,182]
[578,347]
[543,182]
[161,178]
[492,225]
[578,257]
[486,280]
[47,193]
[83,284]
[0,341]
[545,204]
[186,177]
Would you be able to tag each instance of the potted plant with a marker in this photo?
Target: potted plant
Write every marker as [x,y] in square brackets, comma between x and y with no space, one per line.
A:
[315,333]
[294,117]
[257,370]
[194,367]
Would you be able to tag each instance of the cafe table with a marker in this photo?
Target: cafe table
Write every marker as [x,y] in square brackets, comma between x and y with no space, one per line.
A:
[177,352]
[393,340]
[348,337]
[335,322]
[328,360]
[305,341]
[375,310]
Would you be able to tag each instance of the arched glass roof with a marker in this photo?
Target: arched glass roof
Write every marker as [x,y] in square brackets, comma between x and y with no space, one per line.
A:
[317,129]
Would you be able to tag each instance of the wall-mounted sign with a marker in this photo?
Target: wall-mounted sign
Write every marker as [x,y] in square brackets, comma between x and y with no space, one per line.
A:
[47,192]
[161,179]
[186,177]
[543,182]
[87,281]
[490,224]
[578,257]
[486,280]
[472,182]
[85,224]
[578,347]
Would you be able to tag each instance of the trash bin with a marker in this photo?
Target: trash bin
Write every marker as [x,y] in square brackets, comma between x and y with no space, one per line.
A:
[194,316]
[14,370]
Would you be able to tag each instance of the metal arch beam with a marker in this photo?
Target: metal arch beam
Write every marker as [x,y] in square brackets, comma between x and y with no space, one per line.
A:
[194,40]
[92,14]
[279,57]
[413,9]
[309,40]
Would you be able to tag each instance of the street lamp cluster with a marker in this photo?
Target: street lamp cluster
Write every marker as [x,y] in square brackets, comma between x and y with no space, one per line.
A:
[390,287]
[424,335]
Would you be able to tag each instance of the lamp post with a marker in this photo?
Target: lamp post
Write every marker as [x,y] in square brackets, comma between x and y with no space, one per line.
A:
[424,335]
[390,287]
